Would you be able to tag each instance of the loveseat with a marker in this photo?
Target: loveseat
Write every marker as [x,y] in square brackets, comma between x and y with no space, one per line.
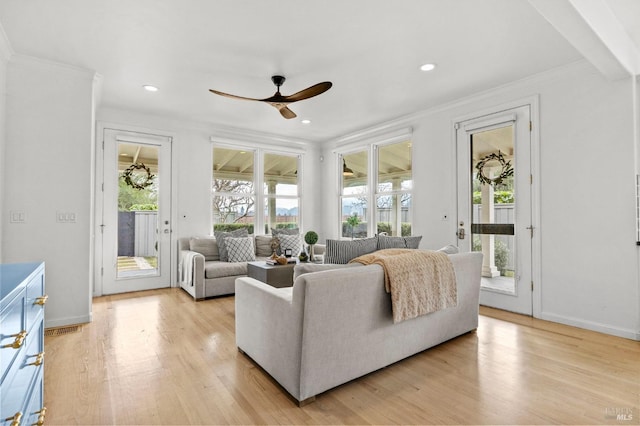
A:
[202,274]
[336,325]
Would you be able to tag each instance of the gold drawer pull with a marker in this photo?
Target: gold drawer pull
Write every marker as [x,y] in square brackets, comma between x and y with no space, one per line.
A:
[41,300]
[18,341]
[15,420]
[39,359]
[41,413]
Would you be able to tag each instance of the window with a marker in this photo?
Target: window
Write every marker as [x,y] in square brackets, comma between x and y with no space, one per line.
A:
[280,188]
[233,189]
[394,184]
[389,184]
[239,190]
[355,194]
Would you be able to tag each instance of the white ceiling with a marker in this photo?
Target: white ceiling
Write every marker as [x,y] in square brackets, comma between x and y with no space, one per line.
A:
[369,49]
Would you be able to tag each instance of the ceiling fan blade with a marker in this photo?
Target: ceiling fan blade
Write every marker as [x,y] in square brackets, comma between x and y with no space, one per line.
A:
[233,96]
[286,112]
[309,92]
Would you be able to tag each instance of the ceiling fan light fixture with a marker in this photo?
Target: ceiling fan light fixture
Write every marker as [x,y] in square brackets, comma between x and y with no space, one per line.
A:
[150,88]
[306,121]
[346,171]
[427,67]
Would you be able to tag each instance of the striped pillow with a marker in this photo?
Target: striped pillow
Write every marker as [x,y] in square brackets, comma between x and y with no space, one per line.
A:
[342,251]
[385,242]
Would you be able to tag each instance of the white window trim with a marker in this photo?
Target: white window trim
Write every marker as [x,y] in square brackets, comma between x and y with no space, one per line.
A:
[258,179]
[370,144]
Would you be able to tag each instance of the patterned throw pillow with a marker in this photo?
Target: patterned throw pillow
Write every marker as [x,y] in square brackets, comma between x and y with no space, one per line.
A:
[342,251]
[240,249]
[285,231]
[221,236]
[292,242]
[277,232]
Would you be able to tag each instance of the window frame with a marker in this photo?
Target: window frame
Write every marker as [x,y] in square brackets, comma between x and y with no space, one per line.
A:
[372,145]
[259,193]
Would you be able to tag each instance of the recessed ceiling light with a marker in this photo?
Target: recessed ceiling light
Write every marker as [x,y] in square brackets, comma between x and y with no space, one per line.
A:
[150,88]
[305,121]
[427,67]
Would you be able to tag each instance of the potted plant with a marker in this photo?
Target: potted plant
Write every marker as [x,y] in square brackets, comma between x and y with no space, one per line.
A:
[311,237]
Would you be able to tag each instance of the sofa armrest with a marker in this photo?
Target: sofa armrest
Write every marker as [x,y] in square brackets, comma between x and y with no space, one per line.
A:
[269,329]
[191,272]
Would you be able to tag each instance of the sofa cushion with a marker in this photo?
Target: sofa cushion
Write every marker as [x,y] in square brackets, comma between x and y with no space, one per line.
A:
[263,245]
[293,242]
[220,236]
[208,247]
[219,269]
[308,268]
[385,242]
[240,249]
[342,251]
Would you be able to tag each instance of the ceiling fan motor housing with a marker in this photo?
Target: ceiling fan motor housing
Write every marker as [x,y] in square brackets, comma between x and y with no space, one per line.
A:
[278,80]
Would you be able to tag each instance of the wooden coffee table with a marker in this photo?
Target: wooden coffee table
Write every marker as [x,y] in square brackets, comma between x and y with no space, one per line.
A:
[274,275]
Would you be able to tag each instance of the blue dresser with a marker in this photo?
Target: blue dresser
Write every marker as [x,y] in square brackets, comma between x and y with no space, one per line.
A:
[22,344]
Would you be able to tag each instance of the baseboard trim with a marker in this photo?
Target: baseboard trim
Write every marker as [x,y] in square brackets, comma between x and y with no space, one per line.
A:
[63,322]
[591,325]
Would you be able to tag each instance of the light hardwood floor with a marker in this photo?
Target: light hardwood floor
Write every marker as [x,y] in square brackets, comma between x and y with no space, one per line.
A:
[158,357]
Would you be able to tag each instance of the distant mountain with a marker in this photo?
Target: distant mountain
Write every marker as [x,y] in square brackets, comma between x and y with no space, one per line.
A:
[287,212]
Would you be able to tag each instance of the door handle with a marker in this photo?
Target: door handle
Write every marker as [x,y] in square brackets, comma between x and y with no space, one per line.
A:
[460,233]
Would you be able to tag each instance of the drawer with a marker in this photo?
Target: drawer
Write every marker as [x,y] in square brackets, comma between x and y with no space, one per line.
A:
[22,374]
[11,325]
[35,299]
[35,410]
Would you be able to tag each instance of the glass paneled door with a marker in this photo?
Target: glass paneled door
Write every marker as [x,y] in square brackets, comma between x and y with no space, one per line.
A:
[135,231]
[494,205]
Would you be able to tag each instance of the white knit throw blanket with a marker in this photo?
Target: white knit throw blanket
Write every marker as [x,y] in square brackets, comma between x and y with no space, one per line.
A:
[420,281]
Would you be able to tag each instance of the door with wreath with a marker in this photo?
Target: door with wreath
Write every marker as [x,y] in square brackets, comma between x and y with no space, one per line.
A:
[494,204]
[134,213]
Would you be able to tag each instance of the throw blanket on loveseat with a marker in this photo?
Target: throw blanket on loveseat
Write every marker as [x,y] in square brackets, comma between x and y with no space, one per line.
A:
[420,281]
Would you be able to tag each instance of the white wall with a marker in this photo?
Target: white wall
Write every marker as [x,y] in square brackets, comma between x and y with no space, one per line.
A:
[5,54]
[589,260]
[48,168]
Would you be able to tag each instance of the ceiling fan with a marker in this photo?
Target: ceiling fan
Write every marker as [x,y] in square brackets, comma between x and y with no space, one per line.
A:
[281,102]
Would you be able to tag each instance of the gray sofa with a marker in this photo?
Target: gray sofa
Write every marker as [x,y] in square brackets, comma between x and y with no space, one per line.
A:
[202,274]
[336,325]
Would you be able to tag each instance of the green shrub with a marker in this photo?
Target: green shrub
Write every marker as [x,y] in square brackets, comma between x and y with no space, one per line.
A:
[499,197]
[143,207]
[280,225]
[228,227]
[405,231]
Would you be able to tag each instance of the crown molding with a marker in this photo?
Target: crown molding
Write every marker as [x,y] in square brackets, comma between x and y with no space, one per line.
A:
[21,59]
